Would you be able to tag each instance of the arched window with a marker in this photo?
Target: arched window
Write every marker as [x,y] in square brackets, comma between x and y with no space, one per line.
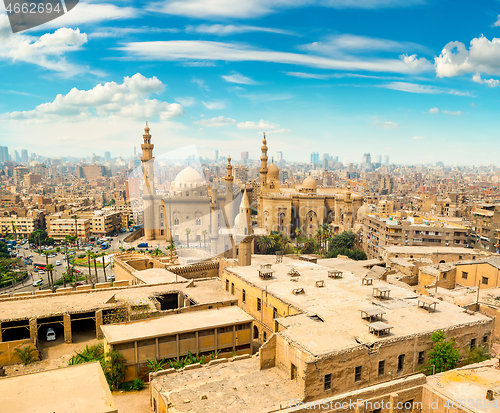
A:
[176,221]
[198,221]
[255,332]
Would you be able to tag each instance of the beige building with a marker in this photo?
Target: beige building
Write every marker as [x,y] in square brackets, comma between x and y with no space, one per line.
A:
[484,273]
[226,331]
[22,226]
[59,228]
[486,227]
[304,206]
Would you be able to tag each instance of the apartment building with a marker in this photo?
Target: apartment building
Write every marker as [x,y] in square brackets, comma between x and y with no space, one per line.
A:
[21,226]
[59,228]
[486,227]
[401,229]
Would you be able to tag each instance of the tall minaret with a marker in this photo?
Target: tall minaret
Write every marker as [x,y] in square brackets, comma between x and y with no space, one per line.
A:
[263,165]
[148,189]
[229,171]
[244,228]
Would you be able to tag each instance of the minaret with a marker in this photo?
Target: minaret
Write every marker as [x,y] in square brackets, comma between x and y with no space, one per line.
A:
[245,229]
[148,189]
[229,171]
[263,165]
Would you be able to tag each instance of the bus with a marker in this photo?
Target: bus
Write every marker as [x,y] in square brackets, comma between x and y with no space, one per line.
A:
[105,245]
[39,266]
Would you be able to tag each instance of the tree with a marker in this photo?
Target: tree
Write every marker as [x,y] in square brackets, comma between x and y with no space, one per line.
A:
[298,233]
[309,247]
[67,238]
[103,254]
[89,254]
[4,251]
[444,355]
[26,354]
[344,240]
[14,229]
[286,244]
[75,217]
[265,243]
[319,236]
[50,269]
[188,231]
[94,257]
[114,369]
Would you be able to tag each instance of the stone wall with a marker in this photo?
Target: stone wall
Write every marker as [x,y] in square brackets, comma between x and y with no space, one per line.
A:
[7,353]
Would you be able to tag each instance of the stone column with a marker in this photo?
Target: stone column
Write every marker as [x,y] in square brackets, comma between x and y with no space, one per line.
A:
[33,331]
[68,334]
[98,324]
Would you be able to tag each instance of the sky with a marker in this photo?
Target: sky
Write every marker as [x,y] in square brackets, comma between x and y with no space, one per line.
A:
[416,80]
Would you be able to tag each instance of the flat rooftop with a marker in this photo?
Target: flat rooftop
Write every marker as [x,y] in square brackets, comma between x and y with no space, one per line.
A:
[157,276]
[77,389]
[337,305]
[174,324]
[430,250]
[203,292]
[470,384]
[237,386]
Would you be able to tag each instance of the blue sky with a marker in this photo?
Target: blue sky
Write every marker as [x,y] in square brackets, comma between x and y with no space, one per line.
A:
[413,79]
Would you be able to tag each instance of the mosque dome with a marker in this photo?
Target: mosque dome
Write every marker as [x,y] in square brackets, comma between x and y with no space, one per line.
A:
[273,172]
[362,211]
[188,178]
[309,183]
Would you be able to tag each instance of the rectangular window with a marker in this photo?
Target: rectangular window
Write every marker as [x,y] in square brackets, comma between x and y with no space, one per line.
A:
[485,339]
[401,362]
[464,275]
[259,304]
[265,335]
[275,312]
[232,288]
[421,357]
[381,367]
[244,296]
[328,382]
[485,281]
[357,374]
[227,285]
[473,343]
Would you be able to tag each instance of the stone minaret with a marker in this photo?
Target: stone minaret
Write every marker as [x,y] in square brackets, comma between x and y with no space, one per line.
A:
[245,228]
[229,171]
[263,165]
[148,189]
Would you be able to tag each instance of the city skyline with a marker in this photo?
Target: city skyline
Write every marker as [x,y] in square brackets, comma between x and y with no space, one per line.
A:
[218,74]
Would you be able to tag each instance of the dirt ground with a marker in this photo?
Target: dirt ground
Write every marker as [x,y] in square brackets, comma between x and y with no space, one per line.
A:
[132,402]
[55,354]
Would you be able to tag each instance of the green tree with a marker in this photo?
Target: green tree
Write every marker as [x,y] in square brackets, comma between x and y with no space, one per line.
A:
[310,246]
[4,251]
[344,240]
[50,269]
[26,354]
[444,355]
[114,369]
[265,243]
[476,355]
[298,233]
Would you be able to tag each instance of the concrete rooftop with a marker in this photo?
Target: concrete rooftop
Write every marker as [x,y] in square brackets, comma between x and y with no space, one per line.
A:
[76,389]
[237,386]
[158,275]
[174,324]
[338,305]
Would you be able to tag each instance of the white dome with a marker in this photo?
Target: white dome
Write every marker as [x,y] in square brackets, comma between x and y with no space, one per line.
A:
[363,210]
[273,172]
[309,183]
[188,178]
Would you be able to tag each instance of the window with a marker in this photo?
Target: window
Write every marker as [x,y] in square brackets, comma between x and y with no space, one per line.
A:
[328,382]
[485,339]
[464,275]
[293,371]
[485,280]
[244,296]
[381,367]
[265,335]
[275,312]
[473,343]
[421,357]
[401,362]
[227,285]
[232,288]
[259,304]
[357,374]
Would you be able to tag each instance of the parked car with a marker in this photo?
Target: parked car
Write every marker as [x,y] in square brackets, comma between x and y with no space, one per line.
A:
[58,262]
[51,334]
[111,277]
[41,272]
[38,283]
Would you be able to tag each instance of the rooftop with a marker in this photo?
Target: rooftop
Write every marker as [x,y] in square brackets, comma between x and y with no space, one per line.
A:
[157,276]
[493,261]
[338,303]
[203,292]
[76,389]
[430,250]
[237,386]
[174,324]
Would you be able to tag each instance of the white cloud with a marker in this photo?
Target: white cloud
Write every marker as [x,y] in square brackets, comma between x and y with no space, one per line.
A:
[387,125]
[418,137]
[200,83]
[422,89]
[46,51]
[303,75]
[433,110]
[457,113]
[90,13]
[214,105]
[256,8]
[338,44]
[106,32]
[264,97]
[127,100]
[490,82]
[483,56]
[229,29]
[215,122]
[235,52]
[416,64]
[497,23]
[185,101]
[239,78]
[260,125]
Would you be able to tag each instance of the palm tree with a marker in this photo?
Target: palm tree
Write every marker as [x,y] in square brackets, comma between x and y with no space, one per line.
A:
[14,229]
[50,268]
[94,257]
[204,233]
[319,236]
[285,243]
[103,254]
[298,232]
[265,243]
[67,238]
[75,217]
[171,247]
[188,231]
[89,253]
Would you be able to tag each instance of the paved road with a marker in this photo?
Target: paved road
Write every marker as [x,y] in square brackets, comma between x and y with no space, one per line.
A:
[59,269]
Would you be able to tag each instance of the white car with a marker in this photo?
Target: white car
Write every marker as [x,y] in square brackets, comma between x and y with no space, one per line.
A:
[51,334]
[58,262]
[38,283]
[41,272]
